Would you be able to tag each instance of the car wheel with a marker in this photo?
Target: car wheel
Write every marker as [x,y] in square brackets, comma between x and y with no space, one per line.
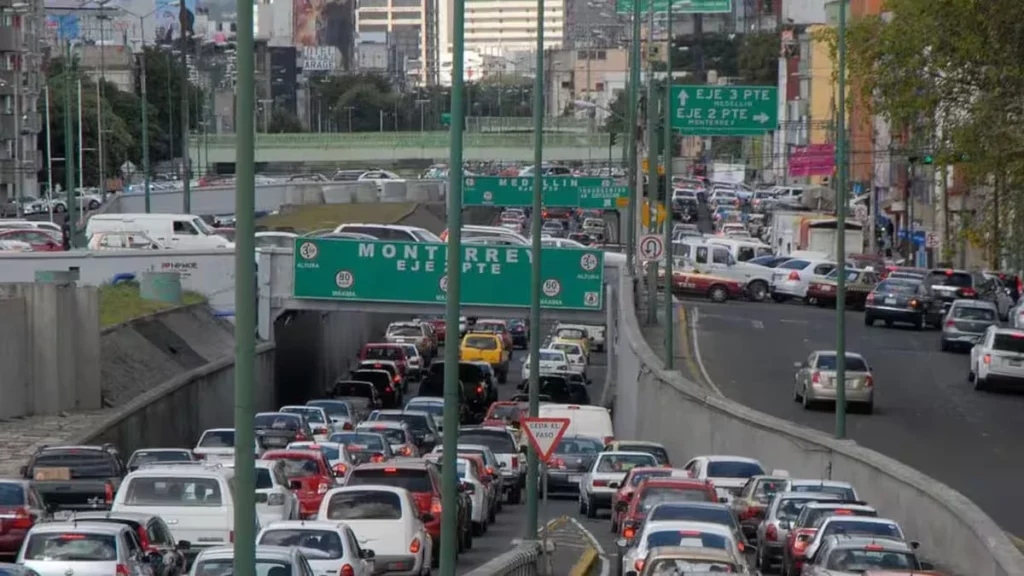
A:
[780,298]
[869,408]
[757,291]
[492,515]
[869,320]
[718,293]
[980,384]
[970,375]
[59,208]
[888,323]
[919,323]
[591,509]
[796,395]
[943,345]
[516,496]
[94,205]
[614,524]
[503,377]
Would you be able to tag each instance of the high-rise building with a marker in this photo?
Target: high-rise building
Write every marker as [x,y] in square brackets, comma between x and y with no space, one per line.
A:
[502,28]
[410,24]
[20,85]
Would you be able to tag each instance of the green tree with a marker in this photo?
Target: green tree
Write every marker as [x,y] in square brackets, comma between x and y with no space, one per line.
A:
[757,58]
[283,121]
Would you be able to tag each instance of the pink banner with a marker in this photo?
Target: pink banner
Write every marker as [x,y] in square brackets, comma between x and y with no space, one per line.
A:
[813,160]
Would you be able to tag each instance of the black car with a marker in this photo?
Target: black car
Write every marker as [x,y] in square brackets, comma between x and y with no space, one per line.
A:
[276,430]
[520,331]
[947,285]
[684,209]
[904,301]
[76,477]
[572,458]
[390,392]
[555,387]
[421,425]
[433,386]
[577,386]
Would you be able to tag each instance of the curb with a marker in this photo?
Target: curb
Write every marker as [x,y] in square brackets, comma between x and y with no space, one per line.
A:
[585,563]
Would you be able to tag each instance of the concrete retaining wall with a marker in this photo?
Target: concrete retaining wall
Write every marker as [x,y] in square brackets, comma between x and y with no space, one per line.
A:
[655,404]
[14,360]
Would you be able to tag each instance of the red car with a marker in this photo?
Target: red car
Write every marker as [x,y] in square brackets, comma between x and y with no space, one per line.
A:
[39,240]
[805,527]
[389,352]
[654,491]
[629,486]
[439,328]
[20,508]
[715,288]
[310,474]
[505,413]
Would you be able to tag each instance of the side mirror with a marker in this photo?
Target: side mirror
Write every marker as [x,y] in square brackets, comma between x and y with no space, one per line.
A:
[785,524]
[798,365]
[23,471]
[622,543]
[461,487]
[723,500]
[523,449]
[295,485]
[589,381]
[367,554]
[621,506]
[915,544]
[153,557]
[427,517]
[613,484]
[184,545]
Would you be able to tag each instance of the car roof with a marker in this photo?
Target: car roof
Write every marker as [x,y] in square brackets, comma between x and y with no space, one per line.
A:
[308,524]
[686,504]
[407,463]
[839,504]
[269,552]
[639,443]
[727,458]
[855,541]
[806,496]
[679,552]
[968,303]
[823,483]
[687,525]
[624,453]
[379,424]
[72,526]
[862,519]
[139,517]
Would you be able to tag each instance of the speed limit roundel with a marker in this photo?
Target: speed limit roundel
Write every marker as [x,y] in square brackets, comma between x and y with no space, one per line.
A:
[651,247]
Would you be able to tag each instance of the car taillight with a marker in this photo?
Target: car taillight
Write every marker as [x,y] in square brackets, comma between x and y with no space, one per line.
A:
[600,483]
[915,303]
[347,426]
[301,437]
[794,276]
[816,377]
[515,462]
[479,389]
[490,470]
[322,488]
[378,457]
[628,533]
[122,570]
[435,507]
[396,379]
[347,570]
[414,546]
[108,493]
[22,519]
[987,359]
[557,464]
[231,536]
[143,537]
[389,390]
[608,440]
[870,298]
[950,323]
[772,533]
[639,565]
[968,293]
[405,451]
[869,381]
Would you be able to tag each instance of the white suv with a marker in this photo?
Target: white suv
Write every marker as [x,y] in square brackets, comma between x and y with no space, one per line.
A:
[998,358]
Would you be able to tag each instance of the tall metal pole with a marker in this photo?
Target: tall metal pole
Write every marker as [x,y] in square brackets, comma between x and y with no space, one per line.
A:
[69,146]
[652,173]
[532,461]
[19,139]
[841,204]
[629,139]
[100,94]
[245,294]
[145,118]
[450,440]
[186,160]
[49,153]
[669,320]
[79,198]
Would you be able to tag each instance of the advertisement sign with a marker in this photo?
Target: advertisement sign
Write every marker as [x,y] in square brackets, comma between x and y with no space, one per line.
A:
[813,160]
[323,23]
[319,58]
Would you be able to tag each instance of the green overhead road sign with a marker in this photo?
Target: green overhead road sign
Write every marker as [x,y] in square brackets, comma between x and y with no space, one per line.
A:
[559,192]
[678,6]
[724,110]
[415,273]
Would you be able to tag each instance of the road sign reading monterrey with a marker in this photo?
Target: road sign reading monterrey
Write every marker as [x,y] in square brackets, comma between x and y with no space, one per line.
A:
[558,192]
[544,434]
[678,7]
[410,272]
[724,110]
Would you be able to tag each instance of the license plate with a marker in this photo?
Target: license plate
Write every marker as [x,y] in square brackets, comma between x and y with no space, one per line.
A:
[890,300]
[62,515]
[575,478]
[1014,362]
[826,288]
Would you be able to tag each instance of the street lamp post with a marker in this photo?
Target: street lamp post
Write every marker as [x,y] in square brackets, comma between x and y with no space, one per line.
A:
[629,139]
[102,92]
[841,205]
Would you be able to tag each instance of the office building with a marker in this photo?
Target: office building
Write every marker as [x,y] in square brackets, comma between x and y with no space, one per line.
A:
[411,25]
[21,99]
[502,29]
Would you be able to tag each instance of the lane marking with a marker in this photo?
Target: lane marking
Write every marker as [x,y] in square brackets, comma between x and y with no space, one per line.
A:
[1019,542]
[757,324]
[696,353]
[583,565]
[605,560]
[792,321]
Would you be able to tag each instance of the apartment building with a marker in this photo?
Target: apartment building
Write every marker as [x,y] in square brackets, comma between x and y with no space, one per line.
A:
[502,29]
[20,96]
[412,25]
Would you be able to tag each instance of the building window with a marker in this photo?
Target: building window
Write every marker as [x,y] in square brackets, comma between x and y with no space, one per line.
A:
[406,16]
[8,104]
[406,3]
[602,55]
[599,87]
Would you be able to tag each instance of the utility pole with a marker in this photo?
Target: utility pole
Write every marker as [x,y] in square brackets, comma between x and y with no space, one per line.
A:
[630,140]
[19,183]
[532,461]
[652,173]
[450,441]
[669,319]
[145,119]
[185,158]
[101,93]
[69,145]
[245,290]
[841,205]
[49,154]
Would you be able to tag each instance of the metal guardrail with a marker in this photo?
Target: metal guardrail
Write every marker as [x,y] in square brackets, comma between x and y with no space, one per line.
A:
[403,140]
[522,560]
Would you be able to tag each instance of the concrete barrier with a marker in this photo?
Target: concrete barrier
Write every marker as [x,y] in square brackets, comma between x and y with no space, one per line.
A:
[654,404]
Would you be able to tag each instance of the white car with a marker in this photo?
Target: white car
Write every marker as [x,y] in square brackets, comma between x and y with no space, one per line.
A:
[385,520]
[551,360]
[218,444]
[413,361]
[605,476]
[342,553]
[853,525]
[275,500]
[791,278]
[319,422]
[998,358]
[336,453]
[430,405]
[678,533]
[379,177]
[594,333]
[52,549]
[270,560]
[477,495]
[728,473]
[574,352]
[340,412]
[843,490]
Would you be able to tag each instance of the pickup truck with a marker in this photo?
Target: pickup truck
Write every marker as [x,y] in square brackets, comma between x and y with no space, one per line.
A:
[76,477]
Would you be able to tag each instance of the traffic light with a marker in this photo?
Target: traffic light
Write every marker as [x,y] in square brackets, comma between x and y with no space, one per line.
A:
[613,138]
[927,159]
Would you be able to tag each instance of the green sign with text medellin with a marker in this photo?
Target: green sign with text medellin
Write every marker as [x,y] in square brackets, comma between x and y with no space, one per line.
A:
[586,192]
[416,273]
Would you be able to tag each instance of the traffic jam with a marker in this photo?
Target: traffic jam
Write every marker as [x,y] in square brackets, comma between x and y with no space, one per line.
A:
[347,484]
[778,246]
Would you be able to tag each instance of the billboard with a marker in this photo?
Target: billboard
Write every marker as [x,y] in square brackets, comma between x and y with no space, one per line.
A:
[813,160]
[325,23]
[168,19]
[65,27]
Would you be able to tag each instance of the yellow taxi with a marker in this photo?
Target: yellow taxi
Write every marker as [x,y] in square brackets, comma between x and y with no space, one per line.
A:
[486,347]
[574,335]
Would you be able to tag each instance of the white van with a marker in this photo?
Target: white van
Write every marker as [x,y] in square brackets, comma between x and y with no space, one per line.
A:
[740,248]
[175,231]
[587,421]
[712,257]
[196,500]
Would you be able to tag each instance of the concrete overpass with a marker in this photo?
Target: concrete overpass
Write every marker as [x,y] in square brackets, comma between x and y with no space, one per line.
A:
[376,148]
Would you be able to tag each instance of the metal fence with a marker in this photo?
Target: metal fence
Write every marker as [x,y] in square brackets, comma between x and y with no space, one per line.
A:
[404,140]
[523,560]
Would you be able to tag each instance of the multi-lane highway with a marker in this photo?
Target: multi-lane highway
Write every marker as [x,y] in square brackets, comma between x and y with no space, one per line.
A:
[926,413]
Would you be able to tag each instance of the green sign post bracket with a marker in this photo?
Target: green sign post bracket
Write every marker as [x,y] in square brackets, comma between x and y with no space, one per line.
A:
[678,6]
[725,110]
[415,273]
[559,192]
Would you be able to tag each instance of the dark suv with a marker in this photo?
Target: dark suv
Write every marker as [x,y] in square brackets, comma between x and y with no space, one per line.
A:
[475,389]
[947,285]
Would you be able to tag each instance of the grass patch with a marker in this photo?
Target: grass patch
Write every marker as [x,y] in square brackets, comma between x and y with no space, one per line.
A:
[122,302]
[310,217]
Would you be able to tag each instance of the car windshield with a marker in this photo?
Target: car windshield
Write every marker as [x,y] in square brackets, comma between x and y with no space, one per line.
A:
[226,567]
[853,363]
[857,560]
[415,422]
[571,334]
[881,529]
[680,567]
[481,342]
[639,477]
[412,479]
[489,327]
[332,408]
[570,349]
[658,452]
[1012,342]
[278,421]
[686,538]
[578,446]
[624,462]
[955,279]
[312,414]
[354,389]
[148,457]
[298,467]
[974,313]
[173,491]
[72,546]
[432,408]
[790,508]
[844,492]
[358,441]
[898,286]
[392,435]
[405,331]
[548,356]
[217,439]
[851,275]
[499,443]
[76,463]
[726,469]
[325,541]
[766,489]
[655,495]
[692,513]
[472,373]
[504,412]
[11,494]
[382,353]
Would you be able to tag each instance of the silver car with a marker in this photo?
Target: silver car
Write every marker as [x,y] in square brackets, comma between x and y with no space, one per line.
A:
[605,476]
[270,560]
[815,380]
[966,322]
[59,549]
[855,555]
[778,519]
